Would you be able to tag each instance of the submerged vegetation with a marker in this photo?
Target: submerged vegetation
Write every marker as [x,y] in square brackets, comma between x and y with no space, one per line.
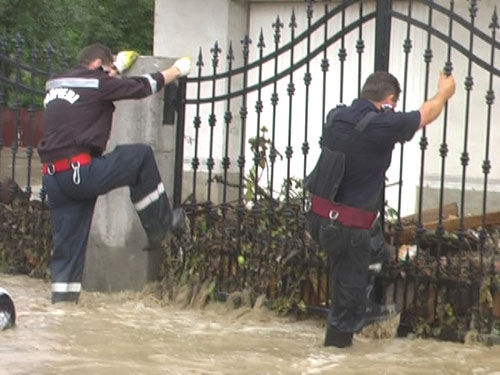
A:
[454,296]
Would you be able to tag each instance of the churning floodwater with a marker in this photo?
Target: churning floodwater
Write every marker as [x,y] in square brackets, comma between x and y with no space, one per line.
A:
[134,333]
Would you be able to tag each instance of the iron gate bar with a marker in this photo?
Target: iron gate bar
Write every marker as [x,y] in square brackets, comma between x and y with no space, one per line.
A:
[490,97]
[196,122]
[342,55]
[228,117]
[398,226]
[325,64]
[179,142]
[288,211]
[256,210]
[257,153]
[226,162]
[277,26]
[241,158]
[419,232]
[382,35]
[212,120]
[464,159]
[360,48]
[381,63]
[31,111]
[443,151]
[16,106]
[305,143]
[289,150]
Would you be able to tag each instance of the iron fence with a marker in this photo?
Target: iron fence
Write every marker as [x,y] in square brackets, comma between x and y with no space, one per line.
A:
[23,70]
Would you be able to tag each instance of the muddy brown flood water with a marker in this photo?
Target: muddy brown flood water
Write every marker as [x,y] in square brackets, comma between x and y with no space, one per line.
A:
[133,333]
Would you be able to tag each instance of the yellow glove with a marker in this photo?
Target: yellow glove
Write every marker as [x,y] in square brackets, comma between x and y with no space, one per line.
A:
[124,60]
[183,65]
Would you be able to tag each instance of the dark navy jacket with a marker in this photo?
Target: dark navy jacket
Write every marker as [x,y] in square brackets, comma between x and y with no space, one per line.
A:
[79,109]
[368,153]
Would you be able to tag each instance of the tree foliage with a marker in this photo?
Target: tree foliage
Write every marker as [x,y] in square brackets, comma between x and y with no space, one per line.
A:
[73,24]
[38,37]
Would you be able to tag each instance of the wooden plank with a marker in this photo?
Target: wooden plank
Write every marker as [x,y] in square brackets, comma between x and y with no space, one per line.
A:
[496,304]
[451,225]
[449,210]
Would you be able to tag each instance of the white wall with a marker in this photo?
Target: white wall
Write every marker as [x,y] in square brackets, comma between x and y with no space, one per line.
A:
[262,15]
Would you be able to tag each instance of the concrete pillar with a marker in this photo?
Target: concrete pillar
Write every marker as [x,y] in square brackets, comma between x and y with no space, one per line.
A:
[115,259]
[186,28]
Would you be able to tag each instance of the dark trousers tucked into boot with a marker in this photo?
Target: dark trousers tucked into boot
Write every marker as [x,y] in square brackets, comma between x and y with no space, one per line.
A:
[72,201]
[349,256]
[357,299]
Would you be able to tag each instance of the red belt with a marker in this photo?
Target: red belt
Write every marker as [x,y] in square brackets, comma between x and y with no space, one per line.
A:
[347,216]
[62,165]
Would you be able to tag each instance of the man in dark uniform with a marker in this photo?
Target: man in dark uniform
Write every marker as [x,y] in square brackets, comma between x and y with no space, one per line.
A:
[78,115]
[365,134]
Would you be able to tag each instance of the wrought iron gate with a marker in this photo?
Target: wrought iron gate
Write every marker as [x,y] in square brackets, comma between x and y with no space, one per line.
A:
[249,133]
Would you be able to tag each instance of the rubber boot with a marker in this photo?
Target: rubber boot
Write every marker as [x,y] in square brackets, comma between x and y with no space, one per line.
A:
[337,338]
[178,225]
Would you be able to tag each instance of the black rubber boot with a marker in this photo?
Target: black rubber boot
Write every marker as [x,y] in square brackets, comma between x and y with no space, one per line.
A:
[71,297]
[178,226]
[155,243]
[337,338]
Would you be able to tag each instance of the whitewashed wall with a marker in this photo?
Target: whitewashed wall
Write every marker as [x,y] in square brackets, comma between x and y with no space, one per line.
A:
[259,16]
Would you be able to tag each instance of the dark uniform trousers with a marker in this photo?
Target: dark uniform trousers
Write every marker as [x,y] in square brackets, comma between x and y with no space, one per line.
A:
[350,252]
[72,196]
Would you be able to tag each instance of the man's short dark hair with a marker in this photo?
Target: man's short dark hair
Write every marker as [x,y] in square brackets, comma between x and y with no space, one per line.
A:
[380,84]
[93,52]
